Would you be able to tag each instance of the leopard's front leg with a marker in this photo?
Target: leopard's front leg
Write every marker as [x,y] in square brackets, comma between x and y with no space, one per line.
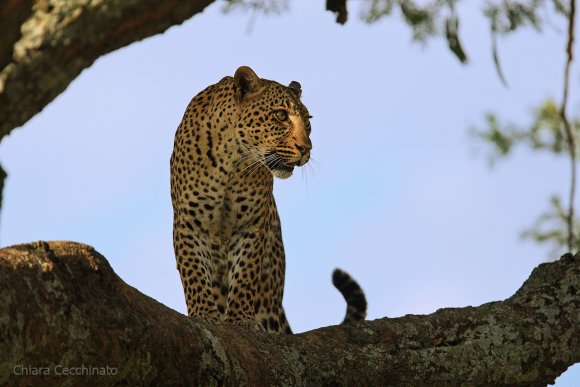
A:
[193,255]
[246,253]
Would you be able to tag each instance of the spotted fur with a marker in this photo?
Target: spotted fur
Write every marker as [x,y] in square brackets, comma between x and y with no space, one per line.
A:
[235,136]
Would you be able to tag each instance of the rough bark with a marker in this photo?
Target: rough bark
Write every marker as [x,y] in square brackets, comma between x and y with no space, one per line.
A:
[61,305]
[44,45]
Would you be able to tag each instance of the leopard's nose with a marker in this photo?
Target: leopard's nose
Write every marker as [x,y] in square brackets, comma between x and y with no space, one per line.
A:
[303,148]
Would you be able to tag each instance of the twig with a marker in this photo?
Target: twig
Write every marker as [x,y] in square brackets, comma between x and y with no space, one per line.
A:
[496,62]
[568,128]
[2,178]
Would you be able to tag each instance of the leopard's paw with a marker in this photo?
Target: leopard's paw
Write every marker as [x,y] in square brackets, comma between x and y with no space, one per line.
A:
[249,325]
[212,319]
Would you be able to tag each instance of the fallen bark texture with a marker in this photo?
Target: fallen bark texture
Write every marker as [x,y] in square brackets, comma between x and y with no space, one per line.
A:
[61,305]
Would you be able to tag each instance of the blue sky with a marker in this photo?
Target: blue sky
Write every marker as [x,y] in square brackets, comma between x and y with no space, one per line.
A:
[401,196]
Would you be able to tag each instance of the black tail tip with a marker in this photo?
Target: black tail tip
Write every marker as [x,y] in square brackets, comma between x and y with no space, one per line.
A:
[356,303]
[339,278]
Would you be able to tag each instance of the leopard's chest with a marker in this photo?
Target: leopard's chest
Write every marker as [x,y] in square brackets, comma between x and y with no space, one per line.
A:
[224,208]
[245,206]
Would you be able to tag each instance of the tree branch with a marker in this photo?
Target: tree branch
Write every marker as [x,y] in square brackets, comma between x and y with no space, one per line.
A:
[45,45]
[61,305]
[568,128]
[338,7]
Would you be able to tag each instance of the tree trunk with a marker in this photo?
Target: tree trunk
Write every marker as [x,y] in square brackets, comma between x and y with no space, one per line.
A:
[44,45]
[63,310]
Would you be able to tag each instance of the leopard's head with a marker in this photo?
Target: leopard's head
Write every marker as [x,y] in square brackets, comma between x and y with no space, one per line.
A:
[273,126]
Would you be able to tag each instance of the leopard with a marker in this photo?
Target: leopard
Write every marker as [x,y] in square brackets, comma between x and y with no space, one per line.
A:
[234,138]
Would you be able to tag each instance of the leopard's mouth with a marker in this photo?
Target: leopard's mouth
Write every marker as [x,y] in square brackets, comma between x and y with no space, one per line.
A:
[275,162]
[284,168]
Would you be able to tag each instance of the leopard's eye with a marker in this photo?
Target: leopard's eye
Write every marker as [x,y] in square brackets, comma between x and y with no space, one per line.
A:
[282,115]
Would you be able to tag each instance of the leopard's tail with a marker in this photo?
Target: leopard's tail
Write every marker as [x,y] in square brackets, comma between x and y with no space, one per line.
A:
[356,302]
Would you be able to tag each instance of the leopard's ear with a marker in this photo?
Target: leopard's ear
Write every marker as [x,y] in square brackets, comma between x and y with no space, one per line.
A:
[296,88]
[246,83]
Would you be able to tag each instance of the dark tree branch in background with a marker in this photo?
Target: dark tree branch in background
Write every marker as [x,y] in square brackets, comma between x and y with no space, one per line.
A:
[568,127]
[45,45]
[339,8]
[61,304]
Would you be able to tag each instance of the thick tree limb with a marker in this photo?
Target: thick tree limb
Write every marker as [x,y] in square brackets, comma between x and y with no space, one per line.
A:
[45,45]
[61,305]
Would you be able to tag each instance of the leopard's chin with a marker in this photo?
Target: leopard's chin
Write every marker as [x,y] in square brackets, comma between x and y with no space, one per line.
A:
[282,173]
